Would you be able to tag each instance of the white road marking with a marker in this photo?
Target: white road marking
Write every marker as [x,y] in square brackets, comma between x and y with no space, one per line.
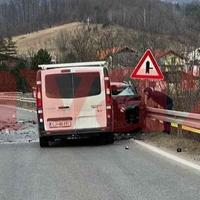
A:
[168,155]
[28,110]
[21,142]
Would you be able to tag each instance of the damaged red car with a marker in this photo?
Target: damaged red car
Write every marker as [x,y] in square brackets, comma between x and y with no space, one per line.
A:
[128,109]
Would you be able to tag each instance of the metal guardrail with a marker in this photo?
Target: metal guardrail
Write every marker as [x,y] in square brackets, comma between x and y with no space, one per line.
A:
[27,100]
[17,99]
[181,118]
[11,93]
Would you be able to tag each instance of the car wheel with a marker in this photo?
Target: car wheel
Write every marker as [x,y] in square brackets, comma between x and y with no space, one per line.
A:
[110,138]
[44,142]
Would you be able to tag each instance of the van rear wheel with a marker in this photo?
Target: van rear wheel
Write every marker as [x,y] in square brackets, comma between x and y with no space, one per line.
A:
[109,138]
[44,142]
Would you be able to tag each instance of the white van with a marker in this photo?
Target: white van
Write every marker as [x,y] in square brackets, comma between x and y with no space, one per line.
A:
[74,101]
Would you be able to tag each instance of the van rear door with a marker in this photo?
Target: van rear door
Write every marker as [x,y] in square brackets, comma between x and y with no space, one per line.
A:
[89,99]
[74,99]
[58,107]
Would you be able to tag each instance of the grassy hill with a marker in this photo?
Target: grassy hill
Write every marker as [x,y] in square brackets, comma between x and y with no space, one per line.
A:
[41,39]
[104,38]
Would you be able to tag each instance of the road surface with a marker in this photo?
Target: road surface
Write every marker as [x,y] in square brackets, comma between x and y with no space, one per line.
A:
[83,171]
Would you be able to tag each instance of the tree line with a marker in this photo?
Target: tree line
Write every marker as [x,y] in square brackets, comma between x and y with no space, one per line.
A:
[22,16]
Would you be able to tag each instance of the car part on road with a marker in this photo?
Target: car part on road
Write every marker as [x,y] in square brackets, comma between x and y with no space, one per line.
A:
[179,150]
[127,147]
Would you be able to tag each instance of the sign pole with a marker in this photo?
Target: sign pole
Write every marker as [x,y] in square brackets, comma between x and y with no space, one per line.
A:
[145,96]
[145,102]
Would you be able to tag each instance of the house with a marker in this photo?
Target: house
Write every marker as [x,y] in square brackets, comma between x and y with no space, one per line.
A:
[194,57]
[113,51]
[170,60]
[194,61]
[9,61]
[119,56]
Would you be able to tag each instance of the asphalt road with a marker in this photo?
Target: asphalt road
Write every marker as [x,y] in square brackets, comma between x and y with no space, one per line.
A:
[81,170]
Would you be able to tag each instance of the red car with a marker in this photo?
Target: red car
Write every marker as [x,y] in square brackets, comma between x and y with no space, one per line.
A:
[128,110]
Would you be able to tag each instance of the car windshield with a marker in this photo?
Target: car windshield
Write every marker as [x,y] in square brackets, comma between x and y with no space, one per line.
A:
[125,90]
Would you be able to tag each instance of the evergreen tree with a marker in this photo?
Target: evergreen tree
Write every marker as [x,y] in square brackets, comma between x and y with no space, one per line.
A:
[7,46]
[2,45]
[11,47]
[41,57]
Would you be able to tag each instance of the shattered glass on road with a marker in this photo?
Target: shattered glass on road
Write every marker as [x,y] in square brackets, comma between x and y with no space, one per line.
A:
[17,126]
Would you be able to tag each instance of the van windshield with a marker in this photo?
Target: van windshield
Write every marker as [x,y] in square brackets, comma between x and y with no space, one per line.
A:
[72,85]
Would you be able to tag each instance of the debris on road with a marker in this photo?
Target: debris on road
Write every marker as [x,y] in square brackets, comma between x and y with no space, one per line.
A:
[24,131]
[127,147]
[179,150]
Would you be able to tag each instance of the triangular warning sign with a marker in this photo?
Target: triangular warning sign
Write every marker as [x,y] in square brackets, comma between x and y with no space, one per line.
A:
[147,68]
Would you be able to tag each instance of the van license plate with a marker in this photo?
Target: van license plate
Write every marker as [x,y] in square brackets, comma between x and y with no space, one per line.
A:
[59,124]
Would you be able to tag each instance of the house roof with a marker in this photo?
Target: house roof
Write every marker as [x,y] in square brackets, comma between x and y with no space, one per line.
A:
[162,53]
[158,53]
[113,51]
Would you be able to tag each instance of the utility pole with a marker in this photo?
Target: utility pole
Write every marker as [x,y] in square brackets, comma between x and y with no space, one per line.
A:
[88,21]
[144,18]
[144,29]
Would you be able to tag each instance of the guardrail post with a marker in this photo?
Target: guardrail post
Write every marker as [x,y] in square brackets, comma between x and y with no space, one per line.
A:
[179,130]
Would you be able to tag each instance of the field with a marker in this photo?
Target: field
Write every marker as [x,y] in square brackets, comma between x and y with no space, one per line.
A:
[41,39]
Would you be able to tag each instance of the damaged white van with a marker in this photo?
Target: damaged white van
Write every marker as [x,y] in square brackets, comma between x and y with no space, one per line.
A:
[74,101]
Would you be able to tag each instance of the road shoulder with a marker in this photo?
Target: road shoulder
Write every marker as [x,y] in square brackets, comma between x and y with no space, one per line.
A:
[184,157]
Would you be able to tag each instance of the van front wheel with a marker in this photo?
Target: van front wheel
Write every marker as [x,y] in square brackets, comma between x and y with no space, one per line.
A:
[44,142]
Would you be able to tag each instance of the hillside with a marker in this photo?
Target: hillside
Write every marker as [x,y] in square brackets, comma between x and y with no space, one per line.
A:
[75,42]
[154,16]
[41,39]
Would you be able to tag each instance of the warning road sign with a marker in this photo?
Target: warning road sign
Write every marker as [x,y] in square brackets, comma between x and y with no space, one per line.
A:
[147,68]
